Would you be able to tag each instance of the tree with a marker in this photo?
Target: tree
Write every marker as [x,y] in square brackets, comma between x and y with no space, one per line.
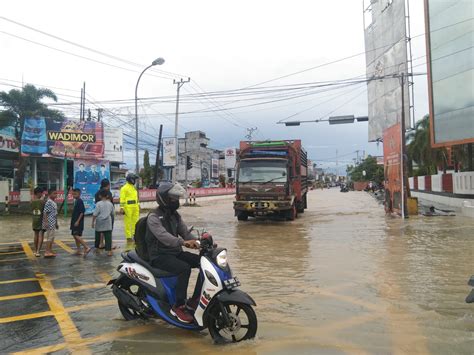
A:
[146,172]
[373,171]
[17,105]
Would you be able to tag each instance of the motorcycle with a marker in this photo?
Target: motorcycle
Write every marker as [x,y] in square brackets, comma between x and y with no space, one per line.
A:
[145,292]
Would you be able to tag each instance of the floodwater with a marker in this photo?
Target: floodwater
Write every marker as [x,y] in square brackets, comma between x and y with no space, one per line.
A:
[342,278]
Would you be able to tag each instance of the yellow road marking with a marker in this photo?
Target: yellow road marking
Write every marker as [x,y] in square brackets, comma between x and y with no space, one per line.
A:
[18,280]
[12,252]
[80,288]
[15,259]
[25,316]
[66,325]
[22,295]
[104,276]
[65,246]
[92,305]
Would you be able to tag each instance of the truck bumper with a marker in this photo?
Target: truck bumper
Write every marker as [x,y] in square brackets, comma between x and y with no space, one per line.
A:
[261,208]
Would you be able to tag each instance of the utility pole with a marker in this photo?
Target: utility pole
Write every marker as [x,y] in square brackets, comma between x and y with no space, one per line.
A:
[337,167]
[179,84]
[157,161]
[402,149]
[83,103]
[357,160]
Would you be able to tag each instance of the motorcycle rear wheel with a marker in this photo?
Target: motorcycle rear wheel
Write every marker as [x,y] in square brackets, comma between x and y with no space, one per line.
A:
[136,290]
[244,323]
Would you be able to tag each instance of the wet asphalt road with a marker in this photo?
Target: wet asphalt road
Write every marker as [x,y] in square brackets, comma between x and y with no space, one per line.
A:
[342,278]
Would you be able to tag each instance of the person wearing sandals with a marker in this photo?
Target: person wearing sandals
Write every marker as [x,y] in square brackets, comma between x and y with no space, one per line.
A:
[37,216]
[104,185]
[77,222]
[50,223]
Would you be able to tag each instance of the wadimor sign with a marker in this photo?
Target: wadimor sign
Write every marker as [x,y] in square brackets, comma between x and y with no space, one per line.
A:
[72,138]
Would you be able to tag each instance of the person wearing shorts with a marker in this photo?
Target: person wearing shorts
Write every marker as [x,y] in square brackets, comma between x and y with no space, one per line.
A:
[77,223]
[50,223]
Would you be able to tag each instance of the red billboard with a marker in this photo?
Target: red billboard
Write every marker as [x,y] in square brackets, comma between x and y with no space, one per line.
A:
[392,168]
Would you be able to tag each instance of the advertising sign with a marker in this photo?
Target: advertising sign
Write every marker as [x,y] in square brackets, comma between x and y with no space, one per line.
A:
[205,174]
[46,137]
[169,152]
[8,142]
[215,168]
[450,71]
[113,144]
[392,173]
[386,55]
[87,176]
[230,158]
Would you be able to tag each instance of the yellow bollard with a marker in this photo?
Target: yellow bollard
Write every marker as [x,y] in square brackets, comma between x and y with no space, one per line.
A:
[412,203]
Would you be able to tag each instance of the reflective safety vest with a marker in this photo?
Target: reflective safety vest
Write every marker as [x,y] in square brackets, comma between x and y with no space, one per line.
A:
[128,195]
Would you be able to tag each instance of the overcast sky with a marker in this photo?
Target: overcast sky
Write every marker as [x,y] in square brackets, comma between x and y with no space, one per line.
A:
[221,45]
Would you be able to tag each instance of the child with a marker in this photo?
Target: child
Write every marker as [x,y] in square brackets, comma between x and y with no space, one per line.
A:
[37,212]
[77,222]
[102,221]
[50,222]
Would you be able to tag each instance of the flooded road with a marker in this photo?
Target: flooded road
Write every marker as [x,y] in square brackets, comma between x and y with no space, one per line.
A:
[342,278]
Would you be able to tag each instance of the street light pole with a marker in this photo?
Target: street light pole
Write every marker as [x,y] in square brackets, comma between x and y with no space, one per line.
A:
[158,61]
[179,84]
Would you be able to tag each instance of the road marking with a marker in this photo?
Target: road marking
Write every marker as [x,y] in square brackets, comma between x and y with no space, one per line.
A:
[65,246]
[66,325]
[22,295]
[104,276]
[79,288]
[12,252]
[18,280]
[25,317]
[15,259]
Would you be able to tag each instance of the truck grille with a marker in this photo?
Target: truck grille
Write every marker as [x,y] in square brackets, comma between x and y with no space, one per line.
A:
[260,205]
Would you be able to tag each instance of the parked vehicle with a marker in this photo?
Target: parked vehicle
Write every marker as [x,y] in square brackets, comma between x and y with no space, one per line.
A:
[271,179]
[145,292]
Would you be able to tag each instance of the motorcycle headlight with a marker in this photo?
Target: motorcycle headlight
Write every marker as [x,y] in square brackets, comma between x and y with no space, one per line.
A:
[221,259]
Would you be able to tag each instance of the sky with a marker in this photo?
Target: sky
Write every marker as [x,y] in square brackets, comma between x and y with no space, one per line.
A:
[221,46]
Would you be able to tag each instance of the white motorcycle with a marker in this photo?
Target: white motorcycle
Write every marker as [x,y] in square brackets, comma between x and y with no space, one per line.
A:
[146,292]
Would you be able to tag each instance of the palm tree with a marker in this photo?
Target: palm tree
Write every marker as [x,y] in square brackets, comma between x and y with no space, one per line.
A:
[17,106]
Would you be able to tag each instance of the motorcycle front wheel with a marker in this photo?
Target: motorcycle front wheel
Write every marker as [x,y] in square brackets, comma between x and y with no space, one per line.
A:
[243,323]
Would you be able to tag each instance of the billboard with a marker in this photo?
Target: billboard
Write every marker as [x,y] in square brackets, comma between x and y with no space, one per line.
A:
[450,56]
[47,137]
[113,144]
[230,158]
[386,54]
[170,151]
[392,168]
[87,177]
[8,141]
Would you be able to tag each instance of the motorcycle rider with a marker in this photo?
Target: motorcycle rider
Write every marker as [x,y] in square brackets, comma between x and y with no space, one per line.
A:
[166,235]
[129,205]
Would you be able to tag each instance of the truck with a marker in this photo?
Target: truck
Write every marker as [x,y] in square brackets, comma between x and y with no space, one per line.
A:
[271,179]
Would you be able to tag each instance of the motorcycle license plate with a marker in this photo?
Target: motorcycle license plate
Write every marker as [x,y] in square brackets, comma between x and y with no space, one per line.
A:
[231,283]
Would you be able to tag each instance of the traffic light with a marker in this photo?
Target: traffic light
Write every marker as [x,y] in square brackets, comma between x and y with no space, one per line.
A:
[189,163]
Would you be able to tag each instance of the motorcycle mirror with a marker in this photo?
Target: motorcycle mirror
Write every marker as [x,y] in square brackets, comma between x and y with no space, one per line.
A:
[190,229]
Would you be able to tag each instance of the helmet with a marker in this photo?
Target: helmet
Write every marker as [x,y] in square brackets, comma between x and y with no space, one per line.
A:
[168,195]
[131,178]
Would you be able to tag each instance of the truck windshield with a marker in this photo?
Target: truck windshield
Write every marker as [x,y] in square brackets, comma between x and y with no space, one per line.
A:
[262,171]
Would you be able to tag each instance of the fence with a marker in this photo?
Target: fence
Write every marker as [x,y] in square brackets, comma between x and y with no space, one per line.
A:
[457,183]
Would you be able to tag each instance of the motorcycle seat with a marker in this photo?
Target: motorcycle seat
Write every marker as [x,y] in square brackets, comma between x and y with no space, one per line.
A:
[158,273]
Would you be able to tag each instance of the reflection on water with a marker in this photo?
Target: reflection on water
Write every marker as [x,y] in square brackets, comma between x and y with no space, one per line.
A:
[341,278]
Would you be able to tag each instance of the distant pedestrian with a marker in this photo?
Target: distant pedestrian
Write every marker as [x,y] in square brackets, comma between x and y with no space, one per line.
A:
[77,222]
[50,222]
[102,221]
[37,216]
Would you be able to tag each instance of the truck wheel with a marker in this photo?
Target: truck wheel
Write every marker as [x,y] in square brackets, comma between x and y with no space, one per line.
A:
[292,213]
[242,216]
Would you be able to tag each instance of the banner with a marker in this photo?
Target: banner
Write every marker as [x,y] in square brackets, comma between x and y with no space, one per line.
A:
[391,152]
[78,139]
[8,142]
[215,168]
[169,151]
[204,174]
[230,158]
[113,144]
[87,176]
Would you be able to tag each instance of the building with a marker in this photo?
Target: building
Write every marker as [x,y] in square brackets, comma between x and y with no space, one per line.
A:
[207,163]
